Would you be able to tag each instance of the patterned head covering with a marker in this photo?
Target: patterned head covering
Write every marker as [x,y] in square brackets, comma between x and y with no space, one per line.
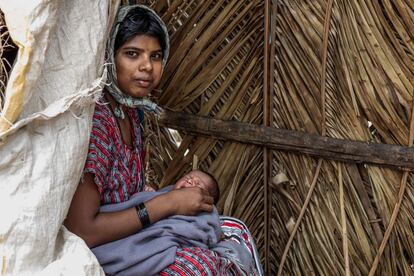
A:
[112,86]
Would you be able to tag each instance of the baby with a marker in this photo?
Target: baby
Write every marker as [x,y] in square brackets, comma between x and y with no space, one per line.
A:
[154,247]
[200,179]
[196,178]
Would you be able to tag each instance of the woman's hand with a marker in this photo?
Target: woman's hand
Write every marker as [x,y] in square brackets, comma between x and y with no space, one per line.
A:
[85,220]
[185,201]
[190,201]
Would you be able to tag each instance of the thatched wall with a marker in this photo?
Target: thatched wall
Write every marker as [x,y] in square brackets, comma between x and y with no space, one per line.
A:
[340,69]
[3,74]
[8,53]
[344,69]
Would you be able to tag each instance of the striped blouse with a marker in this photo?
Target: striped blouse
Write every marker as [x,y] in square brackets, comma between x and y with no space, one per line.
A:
[118,169]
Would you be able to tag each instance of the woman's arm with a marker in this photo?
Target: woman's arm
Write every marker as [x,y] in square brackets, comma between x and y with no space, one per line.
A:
[97,228]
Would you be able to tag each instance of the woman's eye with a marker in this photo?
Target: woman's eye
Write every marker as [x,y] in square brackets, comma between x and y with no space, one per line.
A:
[131,54]
[157,56]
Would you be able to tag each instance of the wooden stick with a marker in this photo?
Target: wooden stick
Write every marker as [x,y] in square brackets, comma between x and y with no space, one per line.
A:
[195,162]
[345,249]
[299,220]
[399,157]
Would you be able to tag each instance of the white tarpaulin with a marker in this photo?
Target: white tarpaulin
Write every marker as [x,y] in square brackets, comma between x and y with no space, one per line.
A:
[44,131]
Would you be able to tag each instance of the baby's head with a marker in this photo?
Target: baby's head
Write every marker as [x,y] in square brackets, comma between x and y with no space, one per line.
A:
[200,179]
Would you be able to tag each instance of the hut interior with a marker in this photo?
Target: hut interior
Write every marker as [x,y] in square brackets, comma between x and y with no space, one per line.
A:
[303,111]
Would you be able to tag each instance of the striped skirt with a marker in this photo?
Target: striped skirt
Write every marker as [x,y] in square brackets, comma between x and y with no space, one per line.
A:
[195,261]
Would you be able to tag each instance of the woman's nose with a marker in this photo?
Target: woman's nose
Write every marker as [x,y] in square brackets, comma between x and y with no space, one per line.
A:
[145,64]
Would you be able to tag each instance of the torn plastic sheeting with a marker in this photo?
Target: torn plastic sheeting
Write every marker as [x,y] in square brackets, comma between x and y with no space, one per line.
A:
[82,98]
[54,85]
[29,24]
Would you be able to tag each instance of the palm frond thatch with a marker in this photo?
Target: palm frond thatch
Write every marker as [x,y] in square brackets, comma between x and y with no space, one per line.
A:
[368,96]
[343,69]
[3,62]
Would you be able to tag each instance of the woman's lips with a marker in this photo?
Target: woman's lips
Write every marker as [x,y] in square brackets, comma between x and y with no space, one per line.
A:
[145,83]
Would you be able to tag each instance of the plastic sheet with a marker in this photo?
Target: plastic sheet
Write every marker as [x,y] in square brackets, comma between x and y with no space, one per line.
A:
[44,131]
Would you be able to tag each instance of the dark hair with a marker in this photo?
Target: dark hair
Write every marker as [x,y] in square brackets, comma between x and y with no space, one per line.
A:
[139,21]
[215,192]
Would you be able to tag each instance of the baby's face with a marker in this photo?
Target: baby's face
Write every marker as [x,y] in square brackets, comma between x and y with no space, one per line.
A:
[194,179]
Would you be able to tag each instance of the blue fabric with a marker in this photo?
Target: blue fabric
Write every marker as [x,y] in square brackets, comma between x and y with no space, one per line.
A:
[154,248]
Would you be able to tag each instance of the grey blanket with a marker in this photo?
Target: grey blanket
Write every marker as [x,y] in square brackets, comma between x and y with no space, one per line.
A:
[154,248]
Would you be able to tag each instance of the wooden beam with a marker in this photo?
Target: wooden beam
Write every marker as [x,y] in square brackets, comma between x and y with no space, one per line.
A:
[395,156]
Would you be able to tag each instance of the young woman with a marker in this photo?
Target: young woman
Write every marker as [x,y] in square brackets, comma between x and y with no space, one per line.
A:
[137,49]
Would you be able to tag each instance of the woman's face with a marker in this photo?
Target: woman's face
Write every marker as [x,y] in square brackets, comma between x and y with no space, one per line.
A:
[139,65]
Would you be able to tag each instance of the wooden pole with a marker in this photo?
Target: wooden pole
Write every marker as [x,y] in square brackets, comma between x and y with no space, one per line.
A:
[267,154]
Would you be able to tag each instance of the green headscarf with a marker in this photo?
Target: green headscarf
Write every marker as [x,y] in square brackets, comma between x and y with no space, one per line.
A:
[112,86]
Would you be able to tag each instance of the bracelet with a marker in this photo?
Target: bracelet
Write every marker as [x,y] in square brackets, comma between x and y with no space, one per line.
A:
[142,214]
